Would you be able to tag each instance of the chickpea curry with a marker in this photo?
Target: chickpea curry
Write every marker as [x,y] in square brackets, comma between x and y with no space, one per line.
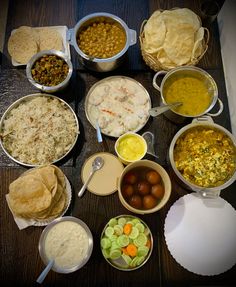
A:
[205,156]
[102,39]
[50,70]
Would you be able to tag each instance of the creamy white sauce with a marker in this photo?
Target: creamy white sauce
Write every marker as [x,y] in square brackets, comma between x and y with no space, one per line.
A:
[66,243]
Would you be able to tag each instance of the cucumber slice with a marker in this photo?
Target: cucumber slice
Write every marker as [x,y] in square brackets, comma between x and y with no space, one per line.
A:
[140,260]
[113,237]
[121,221]
[140,240]
[105,243]
[106,253]
[135,221]
[146,231]
[114,245]
[130,222]
[143,250]
[134,233]
[112,222]
[118,229]
[126,258]
[140,227]
[133,263]
[109,231]
[123,240]
[115,254]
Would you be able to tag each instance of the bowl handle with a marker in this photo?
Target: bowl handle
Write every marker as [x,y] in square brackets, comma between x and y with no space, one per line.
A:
[221,107]
[69,34]
[210,194]
[154,83]
[203,119]
[133,37]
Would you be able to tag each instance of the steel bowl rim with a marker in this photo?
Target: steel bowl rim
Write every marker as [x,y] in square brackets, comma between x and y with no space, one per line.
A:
[22,99]
[48,228]
[38,56]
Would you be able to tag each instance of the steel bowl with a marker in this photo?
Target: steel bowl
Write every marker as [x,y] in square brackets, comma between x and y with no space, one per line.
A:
[194,72]
[205,121]
[49,89]
[98,64]
[15,105]
[41,245]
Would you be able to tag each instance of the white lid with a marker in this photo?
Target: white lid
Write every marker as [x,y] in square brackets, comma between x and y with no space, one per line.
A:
[200,234]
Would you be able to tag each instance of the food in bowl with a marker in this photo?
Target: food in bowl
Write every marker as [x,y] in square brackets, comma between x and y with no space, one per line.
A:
[68,241]
[191,90]
[102,39]
[130,147]
[119,104]
[142,187]
[173,38]
[205,156]
[126,242]
[49,70]
[38,129]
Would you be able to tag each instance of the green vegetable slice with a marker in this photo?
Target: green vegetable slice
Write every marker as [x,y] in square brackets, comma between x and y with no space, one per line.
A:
[112,222]
[123,240]
[133,263]
[109,231]
[135,221]
[114,245]
[115,254]
[113,237]
[105,243]
[140,227]
[118,229]
[121,221]
[140,240]
[126,258]
[143,250]
[140,260]
[106,253]
[134,233]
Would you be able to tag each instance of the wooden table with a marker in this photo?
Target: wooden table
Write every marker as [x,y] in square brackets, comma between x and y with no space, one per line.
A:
[20,260]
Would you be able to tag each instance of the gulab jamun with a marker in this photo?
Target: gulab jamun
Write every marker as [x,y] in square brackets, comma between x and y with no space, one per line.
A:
[143,188]
[127,190]
[153,177]
[136,201]
[149,201]
[130,178]
[157,191]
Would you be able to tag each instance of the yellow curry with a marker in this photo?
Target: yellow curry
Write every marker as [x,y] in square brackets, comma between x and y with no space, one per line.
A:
[205,156]
[189,90]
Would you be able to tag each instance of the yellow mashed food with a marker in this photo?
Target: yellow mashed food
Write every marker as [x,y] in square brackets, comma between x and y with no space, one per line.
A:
[205,156]
[131,147]
[191,91]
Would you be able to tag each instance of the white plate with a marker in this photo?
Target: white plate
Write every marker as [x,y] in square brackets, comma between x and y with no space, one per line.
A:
[23,223]
[62,30]
[200,234]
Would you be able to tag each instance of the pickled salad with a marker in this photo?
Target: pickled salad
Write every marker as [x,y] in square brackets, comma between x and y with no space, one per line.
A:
[126,242]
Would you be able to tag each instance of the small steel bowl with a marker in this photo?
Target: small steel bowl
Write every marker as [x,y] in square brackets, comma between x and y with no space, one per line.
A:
[43,237]
[49,89]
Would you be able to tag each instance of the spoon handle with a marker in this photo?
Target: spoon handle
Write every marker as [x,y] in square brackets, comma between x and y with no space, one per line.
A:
[45,272]
[81,192]
[161,109]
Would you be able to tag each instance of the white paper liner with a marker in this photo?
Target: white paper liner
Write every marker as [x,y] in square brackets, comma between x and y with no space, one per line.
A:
[62,30]
[24,223]
[200,234]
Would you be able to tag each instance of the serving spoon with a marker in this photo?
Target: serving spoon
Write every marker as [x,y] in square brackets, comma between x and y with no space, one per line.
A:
[161,109]
[96,165]
[45,272]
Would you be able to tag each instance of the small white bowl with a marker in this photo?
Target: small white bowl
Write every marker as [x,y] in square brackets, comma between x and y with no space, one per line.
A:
[130,142]
[72,239]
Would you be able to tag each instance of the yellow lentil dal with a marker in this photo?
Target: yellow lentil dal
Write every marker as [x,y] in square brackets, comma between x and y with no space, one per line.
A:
[191,91]
[102,39]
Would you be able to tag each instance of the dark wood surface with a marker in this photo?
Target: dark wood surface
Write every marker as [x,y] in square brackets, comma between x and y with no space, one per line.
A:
[20,260]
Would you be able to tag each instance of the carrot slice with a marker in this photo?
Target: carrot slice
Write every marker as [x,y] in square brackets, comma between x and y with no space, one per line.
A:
[127,228]
[124,250]
[132,250]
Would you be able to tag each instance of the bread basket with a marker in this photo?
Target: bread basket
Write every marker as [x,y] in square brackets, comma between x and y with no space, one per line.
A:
[153,61]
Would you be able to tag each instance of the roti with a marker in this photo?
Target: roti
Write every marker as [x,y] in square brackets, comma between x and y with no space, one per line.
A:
[49,39]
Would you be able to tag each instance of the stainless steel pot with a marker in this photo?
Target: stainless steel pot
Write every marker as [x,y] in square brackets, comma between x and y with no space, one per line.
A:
[205,121]
[191,71]
[97,64]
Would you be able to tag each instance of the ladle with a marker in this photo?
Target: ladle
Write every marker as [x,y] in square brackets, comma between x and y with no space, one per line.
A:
[161,109]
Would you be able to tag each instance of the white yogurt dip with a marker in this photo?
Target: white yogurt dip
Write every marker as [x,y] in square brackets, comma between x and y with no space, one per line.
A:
[67,243]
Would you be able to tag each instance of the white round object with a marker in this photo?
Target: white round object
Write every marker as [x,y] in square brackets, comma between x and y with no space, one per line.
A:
[200,234]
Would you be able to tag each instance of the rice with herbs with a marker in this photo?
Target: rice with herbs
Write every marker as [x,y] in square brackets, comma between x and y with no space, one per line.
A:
[39,131]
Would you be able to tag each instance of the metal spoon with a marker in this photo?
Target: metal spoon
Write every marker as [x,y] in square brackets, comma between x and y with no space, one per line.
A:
[161,109]
[45,272]
[149,138]
[96,165]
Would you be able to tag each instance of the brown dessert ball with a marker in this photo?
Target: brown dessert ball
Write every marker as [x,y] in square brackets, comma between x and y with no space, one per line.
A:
[127,190]
[157,191]
[130,178]
[143,188]
[153,177]
[149,201]
[136,201]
